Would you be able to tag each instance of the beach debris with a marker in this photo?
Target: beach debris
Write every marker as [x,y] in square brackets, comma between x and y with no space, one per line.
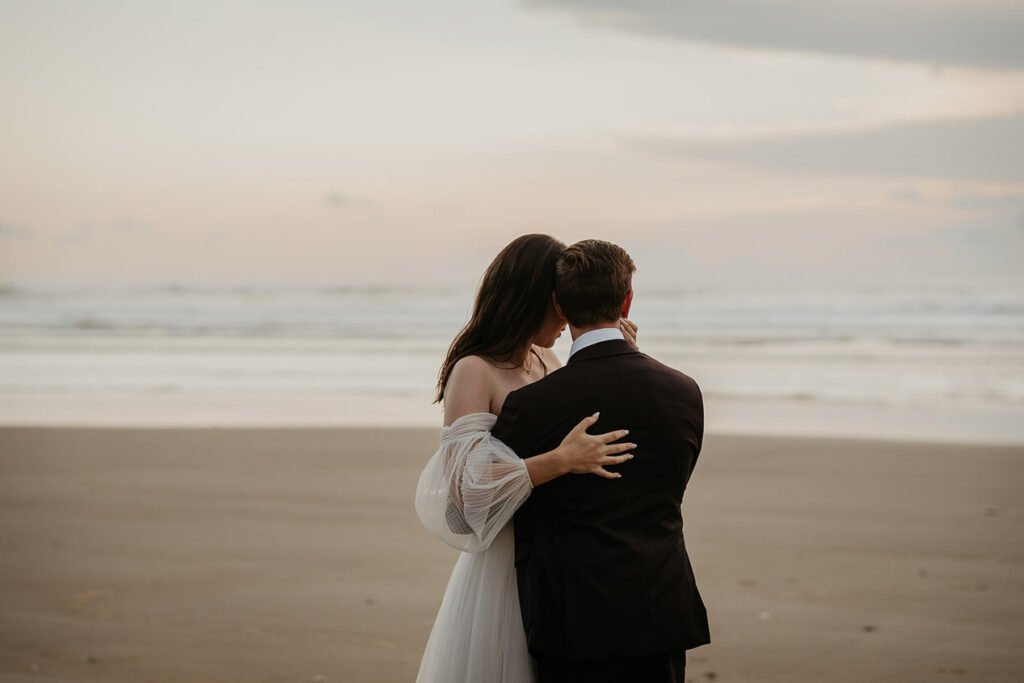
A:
[868,628]
[956,670]
[319,678]
[92,660]
[370,602]
[34,667]
[992,511]
[81,601]
[710,675]
[747,582]
[922,573]
[764,616]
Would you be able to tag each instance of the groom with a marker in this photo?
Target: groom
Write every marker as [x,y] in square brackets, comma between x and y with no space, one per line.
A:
[605,584]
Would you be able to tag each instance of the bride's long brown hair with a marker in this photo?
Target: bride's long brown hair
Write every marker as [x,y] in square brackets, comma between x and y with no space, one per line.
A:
[511,304]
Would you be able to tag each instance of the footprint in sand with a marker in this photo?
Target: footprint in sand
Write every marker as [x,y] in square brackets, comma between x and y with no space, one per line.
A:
[83,601]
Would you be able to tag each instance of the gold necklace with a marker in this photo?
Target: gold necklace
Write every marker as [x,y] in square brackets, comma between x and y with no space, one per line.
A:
[531,354]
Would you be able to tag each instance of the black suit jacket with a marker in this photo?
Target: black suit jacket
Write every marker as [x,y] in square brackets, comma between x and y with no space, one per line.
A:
[601,563]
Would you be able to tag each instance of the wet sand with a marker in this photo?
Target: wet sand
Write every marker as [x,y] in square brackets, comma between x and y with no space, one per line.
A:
[295,555]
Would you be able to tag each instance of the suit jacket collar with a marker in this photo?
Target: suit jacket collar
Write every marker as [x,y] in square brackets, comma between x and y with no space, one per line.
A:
[612,347]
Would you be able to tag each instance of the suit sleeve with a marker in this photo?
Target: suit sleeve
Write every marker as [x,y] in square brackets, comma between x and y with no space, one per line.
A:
[699,420]
[696,424]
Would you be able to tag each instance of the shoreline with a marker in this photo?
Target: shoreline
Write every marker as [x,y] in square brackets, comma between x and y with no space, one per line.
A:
[283,553]
[753,417]
[430,432]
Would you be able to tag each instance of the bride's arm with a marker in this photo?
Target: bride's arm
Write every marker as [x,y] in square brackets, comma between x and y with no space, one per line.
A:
[471,388]
[474,483]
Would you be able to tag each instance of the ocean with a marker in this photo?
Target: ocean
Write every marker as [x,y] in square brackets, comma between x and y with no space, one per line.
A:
[942,363]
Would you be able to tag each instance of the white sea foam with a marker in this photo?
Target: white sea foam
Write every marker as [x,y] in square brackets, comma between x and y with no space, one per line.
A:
[354,355]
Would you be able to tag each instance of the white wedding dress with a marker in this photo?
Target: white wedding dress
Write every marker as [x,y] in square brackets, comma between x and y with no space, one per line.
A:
[467,495]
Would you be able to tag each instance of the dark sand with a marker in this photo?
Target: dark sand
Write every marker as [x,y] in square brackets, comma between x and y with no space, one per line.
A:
[295,555]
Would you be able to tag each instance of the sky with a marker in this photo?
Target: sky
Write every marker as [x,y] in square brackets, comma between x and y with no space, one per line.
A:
[736,142]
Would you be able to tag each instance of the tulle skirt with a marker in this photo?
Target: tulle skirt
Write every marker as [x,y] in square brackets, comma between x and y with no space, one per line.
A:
[478,634]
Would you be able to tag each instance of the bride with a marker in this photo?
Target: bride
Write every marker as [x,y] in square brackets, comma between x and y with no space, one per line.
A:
[473,484]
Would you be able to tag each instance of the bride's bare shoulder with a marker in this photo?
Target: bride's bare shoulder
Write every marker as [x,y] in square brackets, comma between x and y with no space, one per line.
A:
[469,389]
[473,368]
[474,374]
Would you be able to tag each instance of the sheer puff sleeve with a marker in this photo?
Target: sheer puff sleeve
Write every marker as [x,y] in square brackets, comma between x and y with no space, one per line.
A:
[472,485]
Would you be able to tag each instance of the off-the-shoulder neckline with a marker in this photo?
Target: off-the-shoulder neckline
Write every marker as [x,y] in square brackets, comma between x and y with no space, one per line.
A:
[467,415]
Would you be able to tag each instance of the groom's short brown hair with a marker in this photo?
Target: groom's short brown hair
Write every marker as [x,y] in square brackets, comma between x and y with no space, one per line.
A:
[593,278]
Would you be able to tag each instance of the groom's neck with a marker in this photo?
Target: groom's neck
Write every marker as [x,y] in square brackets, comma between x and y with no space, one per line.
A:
[577,331]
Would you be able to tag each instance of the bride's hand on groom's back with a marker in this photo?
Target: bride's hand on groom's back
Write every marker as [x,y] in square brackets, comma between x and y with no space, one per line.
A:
[583,453]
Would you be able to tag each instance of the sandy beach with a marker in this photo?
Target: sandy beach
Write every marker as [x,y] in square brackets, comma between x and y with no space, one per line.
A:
[296,555]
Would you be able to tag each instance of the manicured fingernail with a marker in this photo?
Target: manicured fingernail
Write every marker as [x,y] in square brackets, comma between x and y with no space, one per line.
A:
[596,414]
[630,456]
[632,445]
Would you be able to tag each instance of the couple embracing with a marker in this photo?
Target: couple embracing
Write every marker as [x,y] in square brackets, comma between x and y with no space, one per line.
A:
[574,566]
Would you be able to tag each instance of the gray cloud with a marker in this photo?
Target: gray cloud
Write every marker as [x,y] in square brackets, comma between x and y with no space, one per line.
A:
[337,199]
[80,234]
[979,33]
[8,230]
[126,224]
[990,149]
[341,200]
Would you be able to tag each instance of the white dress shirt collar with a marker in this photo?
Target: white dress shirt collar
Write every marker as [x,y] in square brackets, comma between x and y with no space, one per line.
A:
[594,337]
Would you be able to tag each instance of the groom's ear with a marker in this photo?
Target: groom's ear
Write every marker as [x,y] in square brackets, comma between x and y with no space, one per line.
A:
[558,309]
[626,303]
